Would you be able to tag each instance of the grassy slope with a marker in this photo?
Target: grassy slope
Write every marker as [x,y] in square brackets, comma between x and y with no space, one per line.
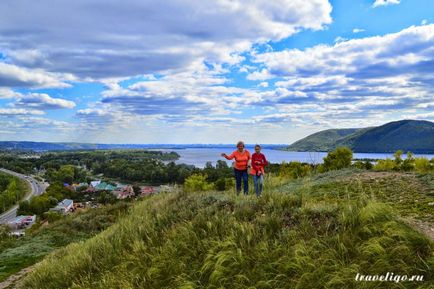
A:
[320,141]
[312,233]
[18,254]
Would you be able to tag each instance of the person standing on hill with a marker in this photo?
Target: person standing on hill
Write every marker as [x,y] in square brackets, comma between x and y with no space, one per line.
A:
[242,159]
[258,163]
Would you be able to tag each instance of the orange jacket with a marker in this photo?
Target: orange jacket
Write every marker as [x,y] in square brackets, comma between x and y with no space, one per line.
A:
[241,159]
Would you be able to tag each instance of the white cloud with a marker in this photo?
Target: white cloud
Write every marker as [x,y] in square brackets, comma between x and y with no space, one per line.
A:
[6,93]
[407,48]
[358,30]
[263,74]
[113,39]
[385,2]
[43,101]
[19,111]
[15,76]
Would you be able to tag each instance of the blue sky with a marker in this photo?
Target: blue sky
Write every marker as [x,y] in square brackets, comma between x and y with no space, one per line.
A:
[211,71]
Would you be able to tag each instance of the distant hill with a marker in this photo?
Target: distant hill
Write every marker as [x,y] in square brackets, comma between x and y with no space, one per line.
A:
[407,135]
[321,141]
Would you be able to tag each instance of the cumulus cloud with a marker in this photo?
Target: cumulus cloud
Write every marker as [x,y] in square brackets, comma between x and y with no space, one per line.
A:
[43,101]
[19,111]
[390,73]
[389,55]
[7,93]
[198,90]
[385,2]
[14,76]
[114,39]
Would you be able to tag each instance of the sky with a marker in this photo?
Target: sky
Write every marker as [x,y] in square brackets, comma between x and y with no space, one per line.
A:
[211,71]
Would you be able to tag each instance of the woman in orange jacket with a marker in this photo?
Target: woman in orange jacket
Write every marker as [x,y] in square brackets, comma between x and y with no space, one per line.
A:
[242,159]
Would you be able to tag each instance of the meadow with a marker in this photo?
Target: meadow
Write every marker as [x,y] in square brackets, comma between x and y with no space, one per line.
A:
[318,231]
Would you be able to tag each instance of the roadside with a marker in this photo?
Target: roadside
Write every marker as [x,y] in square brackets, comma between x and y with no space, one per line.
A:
[36,188]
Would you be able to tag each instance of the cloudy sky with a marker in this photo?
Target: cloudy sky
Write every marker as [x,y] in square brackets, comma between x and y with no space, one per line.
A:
[185,71]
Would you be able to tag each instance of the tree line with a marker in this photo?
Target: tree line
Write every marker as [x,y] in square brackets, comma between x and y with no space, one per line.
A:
[11,191]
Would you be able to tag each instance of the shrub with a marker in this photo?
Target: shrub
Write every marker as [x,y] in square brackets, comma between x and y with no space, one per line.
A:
[408,163]
[220,185]
[422,165]
[52,216]
[294,170]
[338,159]
[4,232]
[385,165]
[197,182]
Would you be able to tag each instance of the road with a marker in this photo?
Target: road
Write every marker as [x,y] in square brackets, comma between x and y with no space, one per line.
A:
[37,188]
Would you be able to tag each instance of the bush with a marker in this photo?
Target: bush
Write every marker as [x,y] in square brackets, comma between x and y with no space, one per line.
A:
[385,165]
[4,232]
[196,183]
[338,159]
[366,165]
[422,165]
[52,216]
[294,170]
[408,163]
[220,185]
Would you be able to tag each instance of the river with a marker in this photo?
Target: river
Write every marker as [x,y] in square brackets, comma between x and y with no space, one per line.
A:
[200,156]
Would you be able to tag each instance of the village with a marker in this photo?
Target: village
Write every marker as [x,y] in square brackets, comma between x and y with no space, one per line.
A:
[87,192]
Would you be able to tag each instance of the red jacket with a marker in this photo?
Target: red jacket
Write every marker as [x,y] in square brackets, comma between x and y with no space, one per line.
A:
[258,163]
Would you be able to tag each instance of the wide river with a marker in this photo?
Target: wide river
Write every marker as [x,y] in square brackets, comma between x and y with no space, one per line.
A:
[199,156]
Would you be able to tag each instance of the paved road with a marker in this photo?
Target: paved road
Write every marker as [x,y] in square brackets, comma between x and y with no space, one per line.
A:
[38,188]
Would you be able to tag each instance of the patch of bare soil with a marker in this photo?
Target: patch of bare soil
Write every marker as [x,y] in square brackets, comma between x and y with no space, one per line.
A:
[14,281]
[424,227]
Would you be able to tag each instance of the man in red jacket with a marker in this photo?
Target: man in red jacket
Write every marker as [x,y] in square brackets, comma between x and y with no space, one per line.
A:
[258,163]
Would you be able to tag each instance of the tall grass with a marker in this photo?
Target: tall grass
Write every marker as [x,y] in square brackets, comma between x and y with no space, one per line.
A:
[291,237]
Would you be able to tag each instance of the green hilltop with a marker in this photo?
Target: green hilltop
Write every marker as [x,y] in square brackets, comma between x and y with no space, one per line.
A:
[314,232]
[407,135]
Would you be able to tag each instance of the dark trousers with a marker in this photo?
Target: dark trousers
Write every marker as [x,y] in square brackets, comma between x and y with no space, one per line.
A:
[244,176]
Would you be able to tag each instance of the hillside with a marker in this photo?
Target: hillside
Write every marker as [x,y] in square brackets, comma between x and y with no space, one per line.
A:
[317,232]
[406,135]
[321,141]
[17,254]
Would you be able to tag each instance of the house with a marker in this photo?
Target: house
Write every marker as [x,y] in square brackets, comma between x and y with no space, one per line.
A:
[103,186]
[69,187]
[93,184]
[64,206]
[144,191]
[21,222]
[123,192]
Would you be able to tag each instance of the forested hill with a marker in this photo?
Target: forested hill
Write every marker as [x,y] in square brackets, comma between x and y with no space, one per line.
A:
[406,135]
[61,146]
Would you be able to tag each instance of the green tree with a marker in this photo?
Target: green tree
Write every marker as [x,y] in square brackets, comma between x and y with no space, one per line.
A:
[197,182]
[338,159]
